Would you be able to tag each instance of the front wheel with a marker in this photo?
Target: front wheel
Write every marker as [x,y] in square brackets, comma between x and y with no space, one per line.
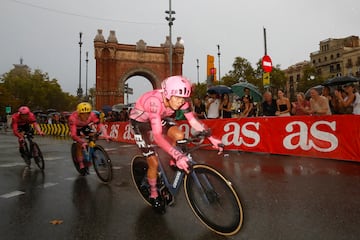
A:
[102,164]
[214,200]
[38,157]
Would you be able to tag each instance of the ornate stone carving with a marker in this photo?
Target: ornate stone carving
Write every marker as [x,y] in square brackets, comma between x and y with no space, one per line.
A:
[141,46]
[99,37]
[112,37]
[179,43]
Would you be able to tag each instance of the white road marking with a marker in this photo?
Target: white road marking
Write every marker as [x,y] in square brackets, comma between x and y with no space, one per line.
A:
[11,164]
[49,184]
[12,194]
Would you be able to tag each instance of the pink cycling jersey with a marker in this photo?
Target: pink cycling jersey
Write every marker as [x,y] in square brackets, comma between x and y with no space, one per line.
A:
[17,121]
[75,124]
[150,107]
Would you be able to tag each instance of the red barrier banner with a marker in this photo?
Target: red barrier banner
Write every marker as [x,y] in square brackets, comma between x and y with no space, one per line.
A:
[333,137]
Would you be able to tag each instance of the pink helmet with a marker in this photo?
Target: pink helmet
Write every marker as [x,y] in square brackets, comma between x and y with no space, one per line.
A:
[24,110]
[176,86]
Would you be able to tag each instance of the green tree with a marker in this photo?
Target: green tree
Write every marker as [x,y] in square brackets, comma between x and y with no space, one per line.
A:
[34,89]
[310,78]
[242,71]
[199,90]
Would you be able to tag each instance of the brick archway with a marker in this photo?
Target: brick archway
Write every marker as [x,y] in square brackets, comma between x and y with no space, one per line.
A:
[115,63]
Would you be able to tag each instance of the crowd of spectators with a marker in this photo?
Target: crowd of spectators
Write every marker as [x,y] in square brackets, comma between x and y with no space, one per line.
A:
[343,99]
[337,100]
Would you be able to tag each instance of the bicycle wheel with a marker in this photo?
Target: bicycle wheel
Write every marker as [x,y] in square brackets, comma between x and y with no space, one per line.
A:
[102,164]
[214,200]
[37,155]
[26,154]
[139,169]
[73,156]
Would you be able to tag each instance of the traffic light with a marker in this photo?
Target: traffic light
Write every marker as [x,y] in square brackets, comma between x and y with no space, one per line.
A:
[210,70]
[210,64]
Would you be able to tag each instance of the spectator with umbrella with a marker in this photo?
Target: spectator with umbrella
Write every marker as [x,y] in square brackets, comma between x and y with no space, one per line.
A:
[212,106]
[352,98]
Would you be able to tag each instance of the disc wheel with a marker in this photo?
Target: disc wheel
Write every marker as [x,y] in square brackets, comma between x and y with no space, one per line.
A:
[139,169]
[73,155]
[102,164]
[214,200]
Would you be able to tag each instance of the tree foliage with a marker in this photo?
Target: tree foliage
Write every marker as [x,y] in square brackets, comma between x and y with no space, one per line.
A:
[20,86]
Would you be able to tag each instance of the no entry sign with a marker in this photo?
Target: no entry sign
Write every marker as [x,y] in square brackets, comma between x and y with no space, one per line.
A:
[266,63]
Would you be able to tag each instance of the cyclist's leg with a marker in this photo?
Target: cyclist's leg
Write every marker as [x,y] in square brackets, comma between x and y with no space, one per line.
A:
[174,133]
[80,158]
[152,175]
[141,131]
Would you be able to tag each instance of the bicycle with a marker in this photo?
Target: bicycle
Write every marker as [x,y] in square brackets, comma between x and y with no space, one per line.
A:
[94,153]
[32,150]
[210,195]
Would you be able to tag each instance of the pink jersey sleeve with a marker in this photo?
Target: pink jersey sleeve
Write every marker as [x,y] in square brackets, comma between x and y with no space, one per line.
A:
[73,122]
[153,110]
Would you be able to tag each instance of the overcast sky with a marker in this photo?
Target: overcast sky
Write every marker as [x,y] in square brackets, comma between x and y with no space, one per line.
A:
[45,33]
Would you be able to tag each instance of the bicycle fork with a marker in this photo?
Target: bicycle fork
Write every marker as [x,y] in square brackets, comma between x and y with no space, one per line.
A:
[205,188]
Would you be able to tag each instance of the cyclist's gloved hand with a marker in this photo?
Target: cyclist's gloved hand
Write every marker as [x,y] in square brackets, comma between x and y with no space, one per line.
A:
[217,144]
[84,145]
[182,163]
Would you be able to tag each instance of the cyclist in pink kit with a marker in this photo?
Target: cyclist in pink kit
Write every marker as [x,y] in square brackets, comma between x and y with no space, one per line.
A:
[152,112]
[21,122]
[80,123]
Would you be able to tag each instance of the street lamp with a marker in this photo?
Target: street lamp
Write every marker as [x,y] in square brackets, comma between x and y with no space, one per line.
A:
[86,85]
[80,91]
[218,46]
[170,19]
[197,66]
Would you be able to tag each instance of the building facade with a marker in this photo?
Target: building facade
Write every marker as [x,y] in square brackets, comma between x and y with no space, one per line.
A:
[335,57]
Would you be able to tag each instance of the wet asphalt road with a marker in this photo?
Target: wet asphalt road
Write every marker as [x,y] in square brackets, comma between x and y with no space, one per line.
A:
[283,197]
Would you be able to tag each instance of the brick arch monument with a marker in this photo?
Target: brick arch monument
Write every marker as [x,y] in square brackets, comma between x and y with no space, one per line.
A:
[116,62]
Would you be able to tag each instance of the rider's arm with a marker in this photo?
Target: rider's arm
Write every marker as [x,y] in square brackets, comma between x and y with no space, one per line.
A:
[32,120]
[95,119]
[198,126]
[159,138]
[73,129]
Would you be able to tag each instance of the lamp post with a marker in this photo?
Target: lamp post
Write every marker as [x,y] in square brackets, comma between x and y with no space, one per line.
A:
[170,19]
[80,91]
[197,66]
[218,47]
[86,77]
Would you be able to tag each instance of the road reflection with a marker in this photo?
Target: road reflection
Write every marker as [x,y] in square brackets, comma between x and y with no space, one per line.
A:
[92,210]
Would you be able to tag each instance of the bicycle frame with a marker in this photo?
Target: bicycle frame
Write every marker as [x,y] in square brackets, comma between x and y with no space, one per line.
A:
[174,186]
[28,139]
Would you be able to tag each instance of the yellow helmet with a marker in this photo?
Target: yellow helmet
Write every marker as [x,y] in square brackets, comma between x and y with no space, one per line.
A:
[84,107]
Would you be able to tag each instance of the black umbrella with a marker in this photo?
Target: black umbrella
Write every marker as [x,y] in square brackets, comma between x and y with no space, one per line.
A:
[220,89]
[335,81]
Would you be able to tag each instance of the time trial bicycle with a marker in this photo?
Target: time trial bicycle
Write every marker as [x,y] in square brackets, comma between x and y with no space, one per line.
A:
[95,154]
[32,150]
[210,195]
